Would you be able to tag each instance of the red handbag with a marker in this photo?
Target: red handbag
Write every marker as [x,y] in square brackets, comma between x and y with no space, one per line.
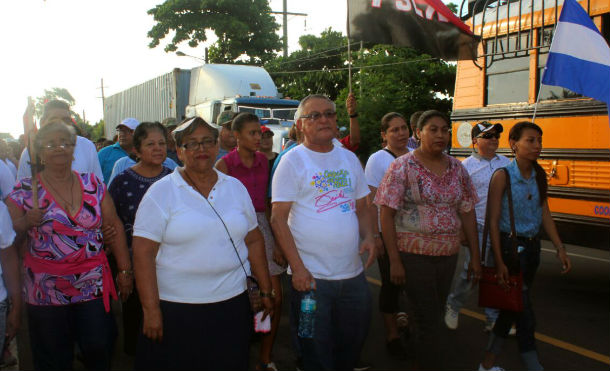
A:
[491,294]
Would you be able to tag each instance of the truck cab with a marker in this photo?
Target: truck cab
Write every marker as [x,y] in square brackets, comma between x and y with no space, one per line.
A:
[215,88]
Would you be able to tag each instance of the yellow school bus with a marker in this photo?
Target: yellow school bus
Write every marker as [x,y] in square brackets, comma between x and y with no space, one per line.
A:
[503,85]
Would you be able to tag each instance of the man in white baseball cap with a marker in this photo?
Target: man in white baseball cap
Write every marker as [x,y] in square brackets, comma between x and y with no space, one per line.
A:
[123,147]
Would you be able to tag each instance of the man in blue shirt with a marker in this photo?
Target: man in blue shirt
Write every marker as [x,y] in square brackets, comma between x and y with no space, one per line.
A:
[123,147]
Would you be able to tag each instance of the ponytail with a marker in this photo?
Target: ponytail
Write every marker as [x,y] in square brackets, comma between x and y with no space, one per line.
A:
[541,181]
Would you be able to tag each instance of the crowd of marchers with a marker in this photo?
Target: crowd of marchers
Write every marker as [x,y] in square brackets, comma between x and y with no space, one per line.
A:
[180,221]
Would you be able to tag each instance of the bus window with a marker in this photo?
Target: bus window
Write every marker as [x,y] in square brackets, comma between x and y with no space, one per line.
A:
[507,72]
[550,92]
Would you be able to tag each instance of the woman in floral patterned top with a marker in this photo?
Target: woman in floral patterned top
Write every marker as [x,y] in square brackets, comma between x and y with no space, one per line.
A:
[426,198]
[67,281]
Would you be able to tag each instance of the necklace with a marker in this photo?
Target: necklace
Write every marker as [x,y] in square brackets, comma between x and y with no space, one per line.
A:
[70,204]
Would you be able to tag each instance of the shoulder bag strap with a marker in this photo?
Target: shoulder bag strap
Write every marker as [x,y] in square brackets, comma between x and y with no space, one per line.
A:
[513,234]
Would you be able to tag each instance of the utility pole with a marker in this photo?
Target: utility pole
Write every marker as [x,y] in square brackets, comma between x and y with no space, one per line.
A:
[285,15]
[103,104]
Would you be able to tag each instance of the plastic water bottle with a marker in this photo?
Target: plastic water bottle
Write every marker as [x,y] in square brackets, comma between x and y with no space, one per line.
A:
[307,315]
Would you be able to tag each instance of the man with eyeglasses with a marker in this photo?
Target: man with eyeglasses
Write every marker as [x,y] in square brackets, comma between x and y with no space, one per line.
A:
[319,211]
[481,165]
[85,155]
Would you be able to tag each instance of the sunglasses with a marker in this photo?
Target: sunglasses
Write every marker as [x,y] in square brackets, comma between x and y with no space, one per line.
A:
[489,135]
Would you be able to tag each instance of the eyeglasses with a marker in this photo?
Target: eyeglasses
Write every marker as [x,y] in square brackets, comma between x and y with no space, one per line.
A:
[314,116]
[52,146]
[489,135]
[206,143]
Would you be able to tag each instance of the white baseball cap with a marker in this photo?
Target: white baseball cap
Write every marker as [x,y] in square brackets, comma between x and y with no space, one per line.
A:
[129,123]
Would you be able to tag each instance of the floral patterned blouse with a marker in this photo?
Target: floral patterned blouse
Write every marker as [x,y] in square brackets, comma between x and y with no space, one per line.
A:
[60,237]
[427,220]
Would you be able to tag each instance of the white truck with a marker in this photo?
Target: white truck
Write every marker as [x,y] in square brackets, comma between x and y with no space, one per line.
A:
[204,91]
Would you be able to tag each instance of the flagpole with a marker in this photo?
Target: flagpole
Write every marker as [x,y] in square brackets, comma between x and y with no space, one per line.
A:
[349,53]
[29,132]
[538,98]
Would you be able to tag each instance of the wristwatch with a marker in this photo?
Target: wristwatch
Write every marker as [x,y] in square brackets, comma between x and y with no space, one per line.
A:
[268,294]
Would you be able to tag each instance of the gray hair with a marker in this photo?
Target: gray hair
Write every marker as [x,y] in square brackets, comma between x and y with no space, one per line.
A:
[54,126]
[188,127]
[299,111]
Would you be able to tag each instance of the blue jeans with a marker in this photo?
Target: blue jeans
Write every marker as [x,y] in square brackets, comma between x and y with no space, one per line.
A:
[343,316]
[528,262]
[55,328]
[462,287]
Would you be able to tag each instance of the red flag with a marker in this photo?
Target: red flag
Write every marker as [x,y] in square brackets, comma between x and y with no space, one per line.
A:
[426,25]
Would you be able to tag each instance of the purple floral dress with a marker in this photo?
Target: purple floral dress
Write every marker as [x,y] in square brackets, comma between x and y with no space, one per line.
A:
[60,237]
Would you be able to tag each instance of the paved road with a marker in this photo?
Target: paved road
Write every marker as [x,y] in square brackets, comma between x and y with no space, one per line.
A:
[573,313]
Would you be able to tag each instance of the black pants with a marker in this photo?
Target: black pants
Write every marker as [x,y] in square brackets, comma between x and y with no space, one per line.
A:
[212,336]
[527,261]
[428,281]
[55,328]
[389,292]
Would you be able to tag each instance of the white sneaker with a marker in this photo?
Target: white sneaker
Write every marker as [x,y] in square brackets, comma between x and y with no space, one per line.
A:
[451,318]
[512,331]
[493,368]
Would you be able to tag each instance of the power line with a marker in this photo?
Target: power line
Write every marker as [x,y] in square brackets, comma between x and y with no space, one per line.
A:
[318,53]
[355,67]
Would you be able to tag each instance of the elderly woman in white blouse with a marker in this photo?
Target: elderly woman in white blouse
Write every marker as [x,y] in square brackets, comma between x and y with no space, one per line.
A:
[195,237]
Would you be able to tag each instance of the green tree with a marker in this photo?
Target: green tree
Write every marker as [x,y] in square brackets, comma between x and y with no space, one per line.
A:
[242,27]
[51,94]
[321,54]
[393,79]
[97,131]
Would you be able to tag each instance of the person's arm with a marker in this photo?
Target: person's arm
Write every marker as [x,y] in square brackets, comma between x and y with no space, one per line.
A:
[22,220]
[12,280]
[469,228]
[388,228]
[551,230]
[354,127]
[119,247]
[144,256]
[366,231]
[302,280]
[222,166]
[374,214]
[494,208]
[258,263]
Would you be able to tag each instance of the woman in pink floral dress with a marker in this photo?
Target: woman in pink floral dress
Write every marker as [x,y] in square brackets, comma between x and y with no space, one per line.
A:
[67,281]
[426,198]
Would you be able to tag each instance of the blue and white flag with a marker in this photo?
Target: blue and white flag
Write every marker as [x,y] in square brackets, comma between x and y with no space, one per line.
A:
[579,58]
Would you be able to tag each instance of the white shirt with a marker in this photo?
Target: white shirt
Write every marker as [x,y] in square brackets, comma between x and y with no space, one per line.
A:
[85,160]
[196,262]
[375,169]
[323,189]
[11,167]
[7,235]
[481,170]
[7,180]
[126,162]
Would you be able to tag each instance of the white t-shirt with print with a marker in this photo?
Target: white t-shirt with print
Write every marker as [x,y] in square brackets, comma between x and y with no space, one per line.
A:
[375,169]
[323,189]
[196,262]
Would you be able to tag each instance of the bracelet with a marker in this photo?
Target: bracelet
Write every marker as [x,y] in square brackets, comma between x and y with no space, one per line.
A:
[267,294]
[127,272]
[353,116]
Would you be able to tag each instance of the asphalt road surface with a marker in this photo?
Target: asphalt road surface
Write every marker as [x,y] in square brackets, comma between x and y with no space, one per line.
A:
[573,316]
